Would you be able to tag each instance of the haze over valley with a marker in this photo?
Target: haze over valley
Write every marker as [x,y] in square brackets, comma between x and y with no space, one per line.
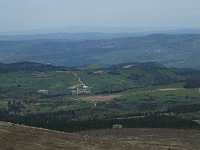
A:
[99,75]
[173,50]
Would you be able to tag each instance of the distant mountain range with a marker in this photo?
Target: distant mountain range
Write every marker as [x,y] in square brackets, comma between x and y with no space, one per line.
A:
[173,50]
[83,34]
[75,37]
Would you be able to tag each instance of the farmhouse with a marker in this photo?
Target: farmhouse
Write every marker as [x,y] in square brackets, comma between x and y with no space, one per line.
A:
[98,72]
[116,126]
[43,92]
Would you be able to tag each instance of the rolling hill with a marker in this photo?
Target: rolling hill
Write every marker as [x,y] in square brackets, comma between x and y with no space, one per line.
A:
[134,95]
[170,50]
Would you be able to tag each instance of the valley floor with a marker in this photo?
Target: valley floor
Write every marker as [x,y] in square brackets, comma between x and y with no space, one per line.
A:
[18,137]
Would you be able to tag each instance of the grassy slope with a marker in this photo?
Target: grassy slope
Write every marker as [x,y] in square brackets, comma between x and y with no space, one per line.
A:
[17,137]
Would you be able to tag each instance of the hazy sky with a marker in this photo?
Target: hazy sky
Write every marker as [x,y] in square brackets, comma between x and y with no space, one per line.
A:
[41,14]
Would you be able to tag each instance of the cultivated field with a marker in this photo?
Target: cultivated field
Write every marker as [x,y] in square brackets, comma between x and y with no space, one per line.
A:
[16,137]
[169,89]
[101,98]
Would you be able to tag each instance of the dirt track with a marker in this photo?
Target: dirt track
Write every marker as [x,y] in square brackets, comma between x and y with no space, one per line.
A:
[100,98]
[16,137]
[169,89]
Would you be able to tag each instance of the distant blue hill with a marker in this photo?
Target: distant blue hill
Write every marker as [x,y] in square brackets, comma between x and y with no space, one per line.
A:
[173,50]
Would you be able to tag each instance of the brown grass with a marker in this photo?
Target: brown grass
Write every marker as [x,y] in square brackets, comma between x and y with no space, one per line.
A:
[17,137]
[100,98]
[169,89]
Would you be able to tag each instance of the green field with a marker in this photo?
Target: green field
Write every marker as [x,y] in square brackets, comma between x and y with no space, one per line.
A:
[24,86]
[115,91]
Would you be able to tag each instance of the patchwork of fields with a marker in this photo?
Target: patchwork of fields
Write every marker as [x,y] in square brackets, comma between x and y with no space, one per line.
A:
[23,87]
[140,95]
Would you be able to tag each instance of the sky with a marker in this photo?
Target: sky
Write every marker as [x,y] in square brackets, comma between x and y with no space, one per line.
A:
[18,15]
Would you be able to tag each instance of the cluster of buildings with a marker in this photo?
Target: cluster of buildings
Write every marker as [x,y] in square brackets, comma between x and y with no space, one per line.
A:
[46,92]
[80,89]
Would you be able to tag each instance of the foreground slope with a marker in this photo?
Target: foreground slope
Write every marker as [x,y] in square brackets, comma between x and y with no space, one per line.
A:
[17,137]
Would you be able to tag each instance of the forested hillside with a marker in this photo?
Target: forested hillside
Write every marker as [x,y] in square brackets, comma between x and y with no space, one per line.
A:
[169,50]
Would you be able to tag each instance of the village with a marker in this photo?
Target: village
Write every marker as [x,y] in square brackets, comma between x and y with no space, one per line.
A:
[81,88]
